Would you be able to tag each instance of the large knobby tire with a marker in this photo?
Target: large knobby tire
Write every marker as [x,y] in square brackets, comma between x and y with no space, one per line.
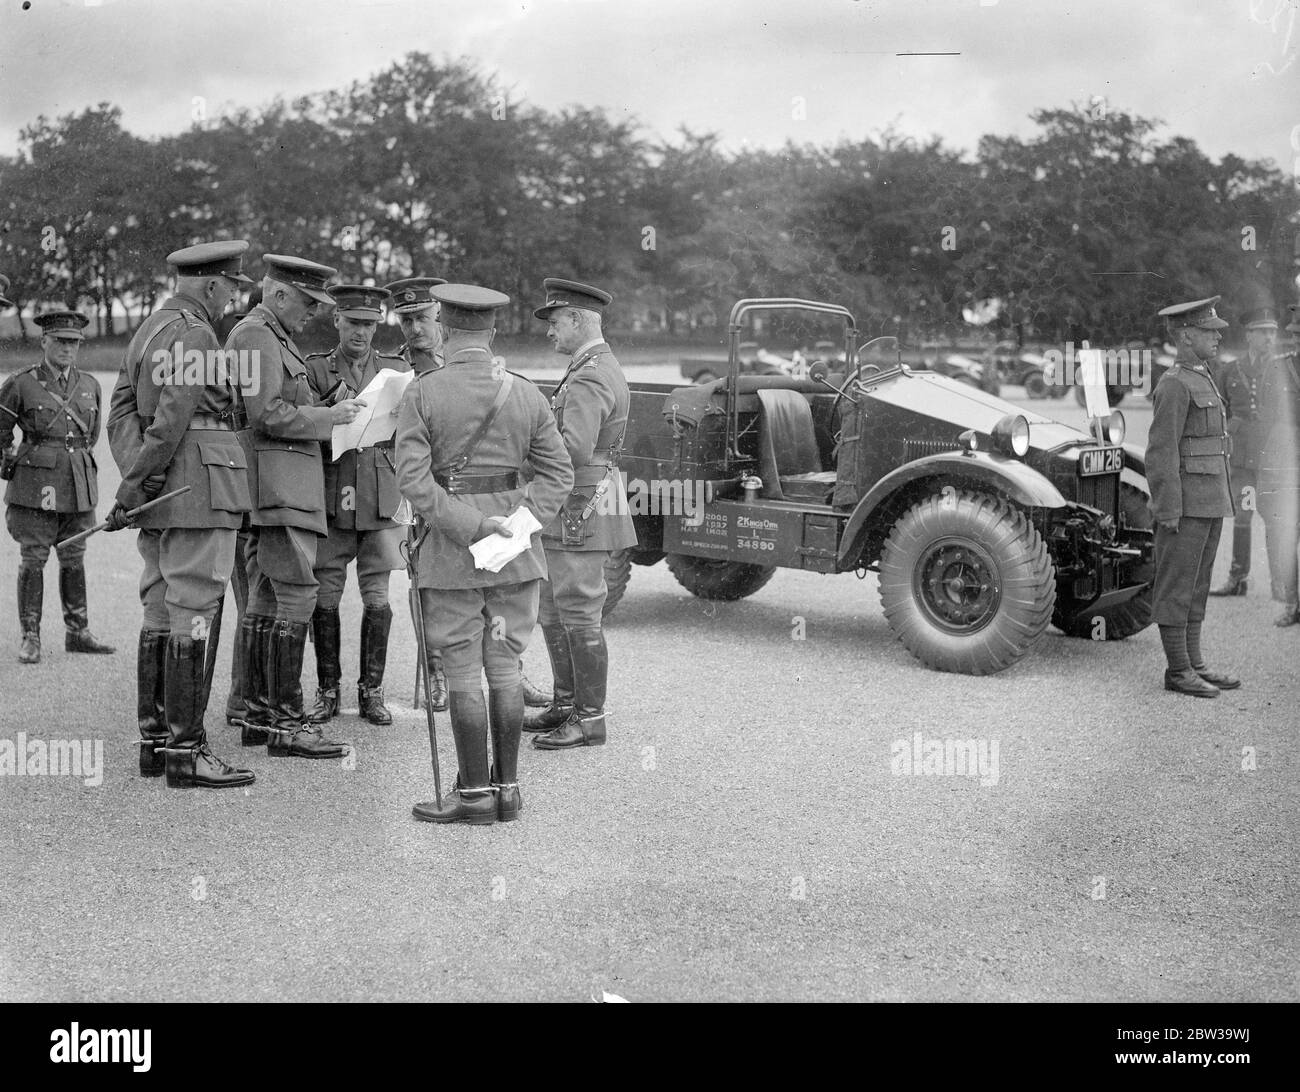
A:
[1131,616]
[618,571]
[712,578]
[966,582]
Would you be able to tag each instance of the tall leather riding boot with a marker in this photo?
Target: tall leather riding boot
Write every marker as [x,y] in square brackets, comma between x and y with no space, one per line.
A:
[437,682]
[472,800]
[290,735]
[506,710]
[190,761]
[586,724]
[72,590]
[31,596]
[534,696]
[1236,583]
[326,636]
[151,712]
[236,710]
[375,624]
[561,706]
[255,633]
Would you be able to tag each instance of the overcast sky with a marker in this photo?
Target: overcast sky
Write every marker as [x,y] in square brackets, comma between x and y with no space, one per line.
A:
[1224,72]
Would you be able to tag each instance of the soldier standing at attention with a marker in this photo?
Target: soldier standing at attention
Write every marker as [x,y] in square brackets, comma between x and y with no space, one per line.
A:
[287,483]
[172,424]
[1239,383]
[1187,469]
[1279,475]
[53,486]
[464,434]
[591,407]
[361,499]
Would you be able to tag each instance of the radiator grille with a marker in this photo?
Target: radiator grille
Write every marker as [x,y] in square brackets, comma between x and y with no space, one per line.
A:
[918,449]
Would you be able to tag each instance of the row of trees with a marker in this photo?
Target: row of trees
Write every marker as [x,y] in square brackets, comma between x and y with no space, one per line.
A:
[1085,229]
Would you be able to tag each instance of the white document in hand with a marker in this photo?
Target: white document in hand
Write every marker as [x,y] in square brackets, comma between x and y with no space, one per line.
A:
[493,552]
[377,420]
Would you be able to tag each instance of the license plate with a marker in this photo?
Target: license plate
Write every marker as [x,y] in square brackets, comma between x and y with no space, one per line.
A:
[1100,460]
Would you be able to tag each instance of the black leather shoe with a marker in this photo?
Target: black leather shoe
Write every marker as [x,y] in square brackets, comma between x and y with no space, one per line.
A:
[535,696]
[548,719]
[370,700]
[576,732]
[153,757]
[437,683]
[1223,682]
[82,640]
[29,652]
[477,807]
[200,768]
[326,706]
[1189,682]
[302,741]
[1234,585]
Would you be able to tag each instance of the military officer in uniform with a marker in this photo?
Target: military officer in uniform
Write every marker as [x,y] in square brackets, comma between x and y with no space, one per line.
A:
[1279,475]
[464,434]
[52,476]
[1187,469]
[173,421]
[287,483]
[417,314]
[591,407]
[1239,382]
[361,499]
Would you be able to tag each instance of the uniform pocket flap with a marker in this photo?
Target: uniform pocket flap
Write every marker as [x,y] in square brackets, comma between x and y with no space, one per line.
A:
[1205,399]
[45,457]
[1203,464]
[231,455]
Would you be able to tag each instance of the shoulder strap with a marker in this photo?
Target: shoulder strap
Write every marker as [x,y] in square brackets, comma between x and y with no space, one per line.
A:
[503,391]
[65,404]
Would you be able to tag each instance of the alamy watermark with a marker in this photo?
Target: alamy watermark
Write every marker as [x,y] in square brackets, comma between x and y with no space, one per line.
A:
[1113,367]
[82,758]
[921,757]
[181,367]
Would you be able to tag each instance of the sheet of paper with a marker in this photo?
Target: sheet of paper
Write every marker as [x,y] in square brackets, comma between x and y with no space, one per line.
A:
[377,421]
[493,552]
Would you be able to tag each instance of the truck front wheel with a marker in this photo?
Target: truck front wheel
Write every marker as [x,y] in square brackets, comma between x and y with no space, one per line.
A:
[966,582]
[713,578]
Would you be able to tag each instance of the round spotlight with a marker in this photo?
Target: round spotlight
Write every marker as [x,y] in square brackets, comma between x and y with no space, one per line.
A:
[1115,428]
[1011,435]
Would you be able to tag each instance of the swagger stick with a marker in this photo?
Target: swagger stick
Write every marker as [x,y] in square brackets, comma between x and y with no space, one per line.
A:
[411,548]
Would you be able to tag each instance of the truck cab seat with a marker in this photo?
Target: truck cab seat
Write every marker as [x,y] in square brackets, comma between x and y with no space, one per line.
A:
[789,461]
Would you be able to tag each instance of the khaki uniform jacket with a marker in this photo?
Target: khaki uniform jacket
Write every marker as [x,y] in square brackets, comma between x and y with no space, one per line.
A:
[1187,447]
[172,373]
[46,474]
[361,487]
[1240,383]
[285,427]
[440,412]
[591,407]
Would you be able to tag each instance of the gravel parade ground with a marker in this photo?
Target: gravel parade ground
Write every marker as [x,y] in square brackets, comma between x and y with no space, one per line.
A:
[746,834]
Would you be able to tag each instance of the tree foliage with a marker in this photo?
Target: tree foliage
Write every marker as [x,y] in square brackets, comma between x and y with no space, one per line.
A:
[1082,230]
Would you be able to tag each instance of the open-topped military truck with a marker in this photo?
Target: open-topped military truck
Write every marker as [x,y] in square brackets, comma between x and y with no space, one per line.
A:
[984,522]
